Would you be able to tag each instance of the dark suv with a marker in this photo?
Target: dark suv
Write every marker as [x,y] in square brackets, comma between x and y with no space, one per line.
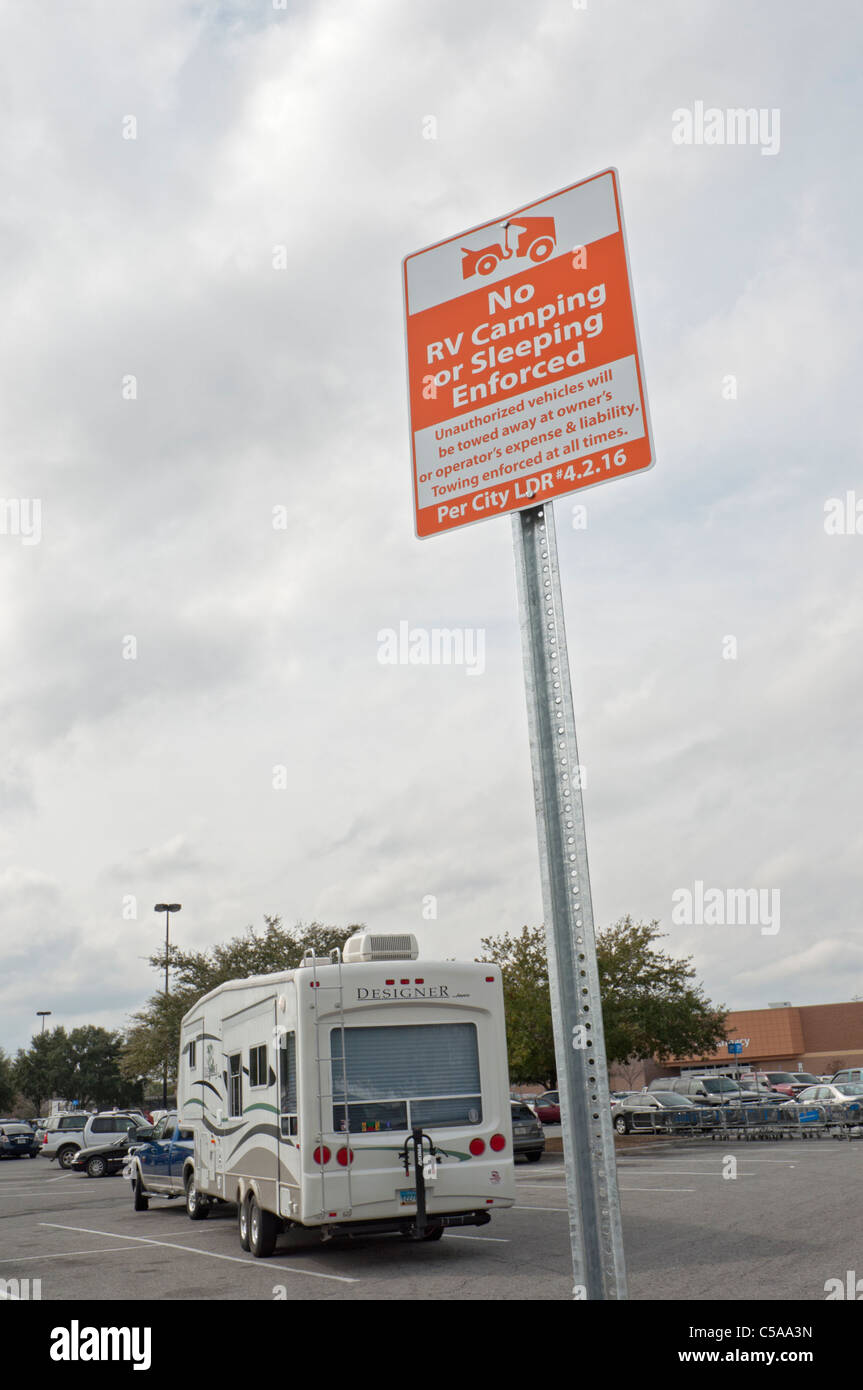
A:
[707,1090]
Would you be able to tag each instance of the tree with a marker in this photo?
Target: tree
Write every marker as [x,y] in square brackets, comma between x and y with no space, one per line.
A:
[8,1087]
[650,1004]
[527,1004]
[155,1031]
[39,1069]
[82,1065]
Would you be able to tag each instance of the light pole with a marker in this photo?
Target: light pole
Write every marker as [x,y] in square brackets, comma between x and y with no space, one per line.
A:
[167,908]
[43,1014]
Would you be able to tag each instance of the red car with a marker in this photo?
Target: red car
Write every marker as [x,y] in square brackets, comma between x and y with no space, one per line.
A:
[547,1107]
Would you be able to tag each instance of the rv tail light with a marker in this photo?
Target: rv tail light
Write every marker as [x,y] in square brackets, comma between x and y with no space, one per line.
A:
[489,979]
[419,982]
[389,982]
[345,1156]
[404,982]
[477,1147]
[497,1142]
[321,1155]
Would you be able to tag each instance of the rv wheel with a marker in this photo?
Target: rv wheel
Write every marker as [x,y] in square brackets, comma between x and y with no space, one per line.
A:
[262,1231]
[243,1223]
[197,1207]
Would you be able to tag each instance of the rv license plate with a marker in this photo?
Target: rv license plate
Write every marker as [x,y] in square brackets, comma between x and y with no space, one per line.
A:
[407,1197]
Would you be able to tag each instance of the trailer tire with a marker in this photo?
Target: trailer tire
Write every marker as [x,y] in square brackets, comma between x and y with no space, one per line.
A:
[139,1200]
[262,1230]
[197,1207]
[243,1223]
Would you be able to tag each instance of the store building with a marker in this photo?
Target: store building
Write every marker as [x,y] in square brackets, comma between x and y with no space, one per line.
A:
[817,1038]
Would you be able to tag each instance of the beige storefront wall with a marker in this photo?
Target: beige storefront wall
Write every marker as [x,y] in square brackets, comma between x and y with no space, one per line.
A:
[818,1038]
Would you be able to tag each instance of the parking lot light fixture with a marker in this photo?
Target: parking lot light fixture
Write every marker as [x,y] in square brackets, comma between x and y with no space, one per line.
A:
[167,908]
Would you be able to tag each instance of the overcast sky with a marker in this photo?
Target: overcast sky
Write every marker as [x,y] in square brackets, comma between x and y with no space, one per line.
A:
[166,386]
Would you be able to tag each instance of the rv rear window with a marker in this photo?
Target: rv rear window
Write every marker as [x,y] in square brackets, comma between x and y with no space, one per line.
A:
[406,1074]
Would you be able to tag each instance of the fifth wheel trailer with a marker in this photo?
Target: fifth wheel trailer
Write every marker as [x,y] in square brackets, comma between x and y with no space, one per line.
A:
[357,1095]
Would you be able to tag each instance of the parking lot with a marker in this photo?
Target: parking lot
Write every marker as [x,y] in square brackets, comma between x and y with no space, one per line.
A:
[701,1220]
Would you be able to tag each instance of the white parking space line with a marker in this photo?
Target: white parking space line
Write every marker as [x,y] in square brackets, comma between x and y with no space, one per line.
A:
[64,1254]
[208,1254]
[711,1158]
[560,1186]
[665,1173]
[496,1240]
[657,1189]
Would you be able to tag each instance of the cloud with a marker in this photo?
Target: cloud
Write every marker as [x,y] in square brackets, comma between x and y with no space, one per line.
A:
[257,387]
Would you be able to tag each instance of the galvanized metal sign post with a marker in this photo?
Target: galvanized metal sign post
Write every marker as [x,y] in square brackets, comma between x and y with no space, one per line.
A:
[576,1006]
[525,384]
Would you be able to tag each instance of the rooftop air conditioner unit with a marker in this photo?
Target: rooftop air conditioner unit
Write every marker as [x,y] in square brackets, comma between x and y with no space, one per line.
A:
[366,947]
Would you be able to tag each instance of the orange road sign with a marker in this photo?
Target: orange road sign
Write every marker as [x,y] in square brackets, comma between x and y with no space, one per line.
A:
[524,368]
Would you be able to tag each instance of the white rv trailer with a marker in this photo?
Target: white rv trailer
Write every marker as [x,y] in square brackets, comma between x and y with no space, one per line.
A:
[356,1095]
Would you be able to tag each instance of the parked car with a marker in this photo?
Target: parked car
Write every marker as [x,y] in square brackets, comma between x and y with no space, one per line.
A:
[642,1102]
[547,1107]
[17,1140]
[103,1159]
[163,1166]
[706,1090]
[786,1083]
[63,1136]
[110,1125]
[528,1137]
[845,1093]
[847,1074]
[71,1133]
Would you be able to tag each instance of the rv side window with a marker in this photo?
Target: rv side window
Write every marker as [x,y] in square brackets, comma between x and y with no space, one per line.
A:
[406,1074]
[235,1094]
[288,1083]
[258,1065]
[191,1056]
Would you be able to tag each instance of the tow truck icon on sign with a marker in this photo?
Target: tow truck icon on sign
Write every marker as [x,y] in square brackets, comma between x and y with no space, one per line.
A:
[535,239]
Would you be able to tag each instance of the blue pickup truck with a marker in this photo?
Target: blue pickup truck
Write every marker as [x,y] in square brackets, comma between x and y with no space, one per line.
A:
[164,1167]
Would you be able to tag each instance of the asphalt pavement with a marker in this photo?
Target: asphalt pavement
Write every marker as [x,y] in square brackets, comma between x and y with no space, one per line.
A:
[701,1220]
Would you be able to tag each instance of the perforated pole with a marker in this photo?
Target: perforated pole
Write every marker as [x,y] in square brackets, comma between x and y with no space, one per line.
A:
[585,1110]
